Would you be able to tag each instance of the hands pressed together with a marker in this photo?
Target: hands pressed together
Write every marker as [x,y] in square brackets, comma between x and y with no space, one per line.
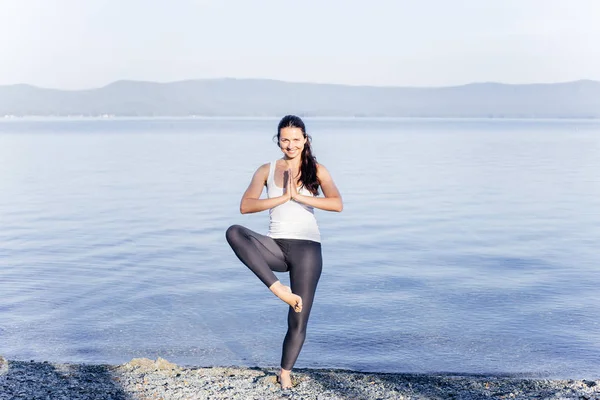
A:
[291,191]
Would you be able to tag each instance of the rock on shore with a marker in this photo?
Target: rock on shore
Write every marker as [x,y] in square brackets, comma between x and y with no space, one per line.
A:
[160,379]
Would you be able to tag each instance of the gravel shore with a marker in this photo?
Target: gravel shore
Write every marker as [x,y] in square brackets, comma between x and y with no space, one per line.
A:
[160,379]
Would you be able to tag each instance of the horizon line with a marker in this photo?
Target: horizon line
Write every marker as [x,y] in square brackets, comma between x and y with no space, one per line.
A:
[118,81]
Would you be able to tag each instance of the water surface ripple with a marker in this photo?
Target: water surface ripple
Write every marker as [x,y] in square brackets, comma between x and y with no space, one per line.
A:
[465,245]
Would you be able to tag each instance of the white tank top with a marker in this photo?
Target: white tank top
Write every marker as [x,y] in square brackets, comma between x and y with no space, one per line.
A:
[290,220]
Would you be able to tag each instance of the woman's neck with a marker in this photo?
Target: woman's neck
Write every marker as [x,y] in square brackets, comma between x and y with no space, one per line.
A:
[293,163]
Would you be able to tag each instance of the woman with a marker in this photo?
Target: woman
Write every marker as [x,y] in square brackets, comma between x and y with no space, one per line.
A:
[293,243]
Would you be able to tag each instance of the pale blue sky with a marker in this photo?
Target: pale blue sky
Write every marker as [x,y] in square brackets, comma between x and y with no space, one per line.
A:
[75,44]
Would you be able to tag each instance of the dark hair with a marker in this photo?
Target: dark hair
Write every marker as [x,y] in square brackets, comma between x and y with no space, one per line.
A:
[308,165]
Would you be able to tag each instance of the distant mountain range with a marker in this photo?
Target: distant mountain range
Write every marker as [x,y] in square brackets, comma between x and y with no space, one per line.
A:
[261,97]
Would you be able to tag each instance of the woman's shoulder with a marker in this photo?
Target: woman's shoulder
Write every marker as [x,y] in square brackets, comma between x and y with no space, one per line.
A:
[261,174]
[321,168]
[264,168]
[322,173]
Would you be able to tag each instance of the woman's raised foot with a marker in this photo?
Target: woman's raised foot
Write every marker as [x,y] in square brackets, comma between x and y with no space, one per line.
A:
[285,294]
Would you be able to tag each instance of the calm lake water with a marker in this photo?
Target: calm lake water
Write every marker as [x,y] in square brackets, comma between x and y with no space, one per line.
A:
[466,246]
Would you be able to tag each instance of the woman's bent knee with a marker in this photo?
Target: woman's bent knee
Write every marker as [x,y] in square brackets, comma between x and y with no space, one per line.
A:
[233,233]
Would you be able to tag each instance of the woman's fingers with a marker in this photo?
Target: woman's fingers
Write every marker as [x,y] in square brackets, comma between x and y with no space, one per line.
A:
[293,190]
[290,183]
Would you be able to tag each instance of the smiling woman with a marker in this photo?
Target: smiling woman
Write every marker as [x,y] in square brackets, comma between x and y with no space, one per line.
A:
[293,243]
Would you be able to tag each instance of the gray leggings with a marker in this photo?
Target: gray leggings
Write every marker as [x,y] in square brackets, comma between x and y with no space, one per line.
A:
[302,258]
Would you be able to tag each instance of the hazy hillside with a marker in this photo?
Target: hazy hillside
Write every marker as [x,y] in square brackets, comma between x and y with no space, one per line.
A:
[252,97]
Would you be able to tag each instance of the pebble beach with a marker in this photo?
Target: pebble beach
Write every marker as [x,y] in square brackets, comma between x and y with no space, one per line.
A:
[143,378]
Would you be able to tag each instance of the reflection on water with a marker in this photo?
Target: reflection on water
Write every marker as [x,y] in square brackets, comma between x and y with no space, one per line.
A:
[465,246]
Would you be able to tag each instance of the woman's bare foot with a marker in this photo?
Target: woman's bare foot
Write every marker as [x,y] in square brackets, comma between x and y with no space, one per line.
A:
[285,294]
[285,379]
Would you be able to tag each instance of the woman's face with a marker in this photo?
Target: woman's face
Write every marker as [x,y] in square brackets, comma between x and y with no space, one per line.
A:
[291,141]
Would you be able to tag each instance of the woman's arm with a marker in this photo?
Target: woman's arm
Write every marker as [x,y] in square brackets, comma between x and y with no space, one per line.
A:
[332,200]
[251,201]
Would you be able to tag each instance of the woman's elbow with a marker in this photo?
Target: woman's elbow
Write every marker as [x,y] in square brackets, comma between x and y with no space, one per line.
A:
[339,207]
[247,207]
[243,208]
